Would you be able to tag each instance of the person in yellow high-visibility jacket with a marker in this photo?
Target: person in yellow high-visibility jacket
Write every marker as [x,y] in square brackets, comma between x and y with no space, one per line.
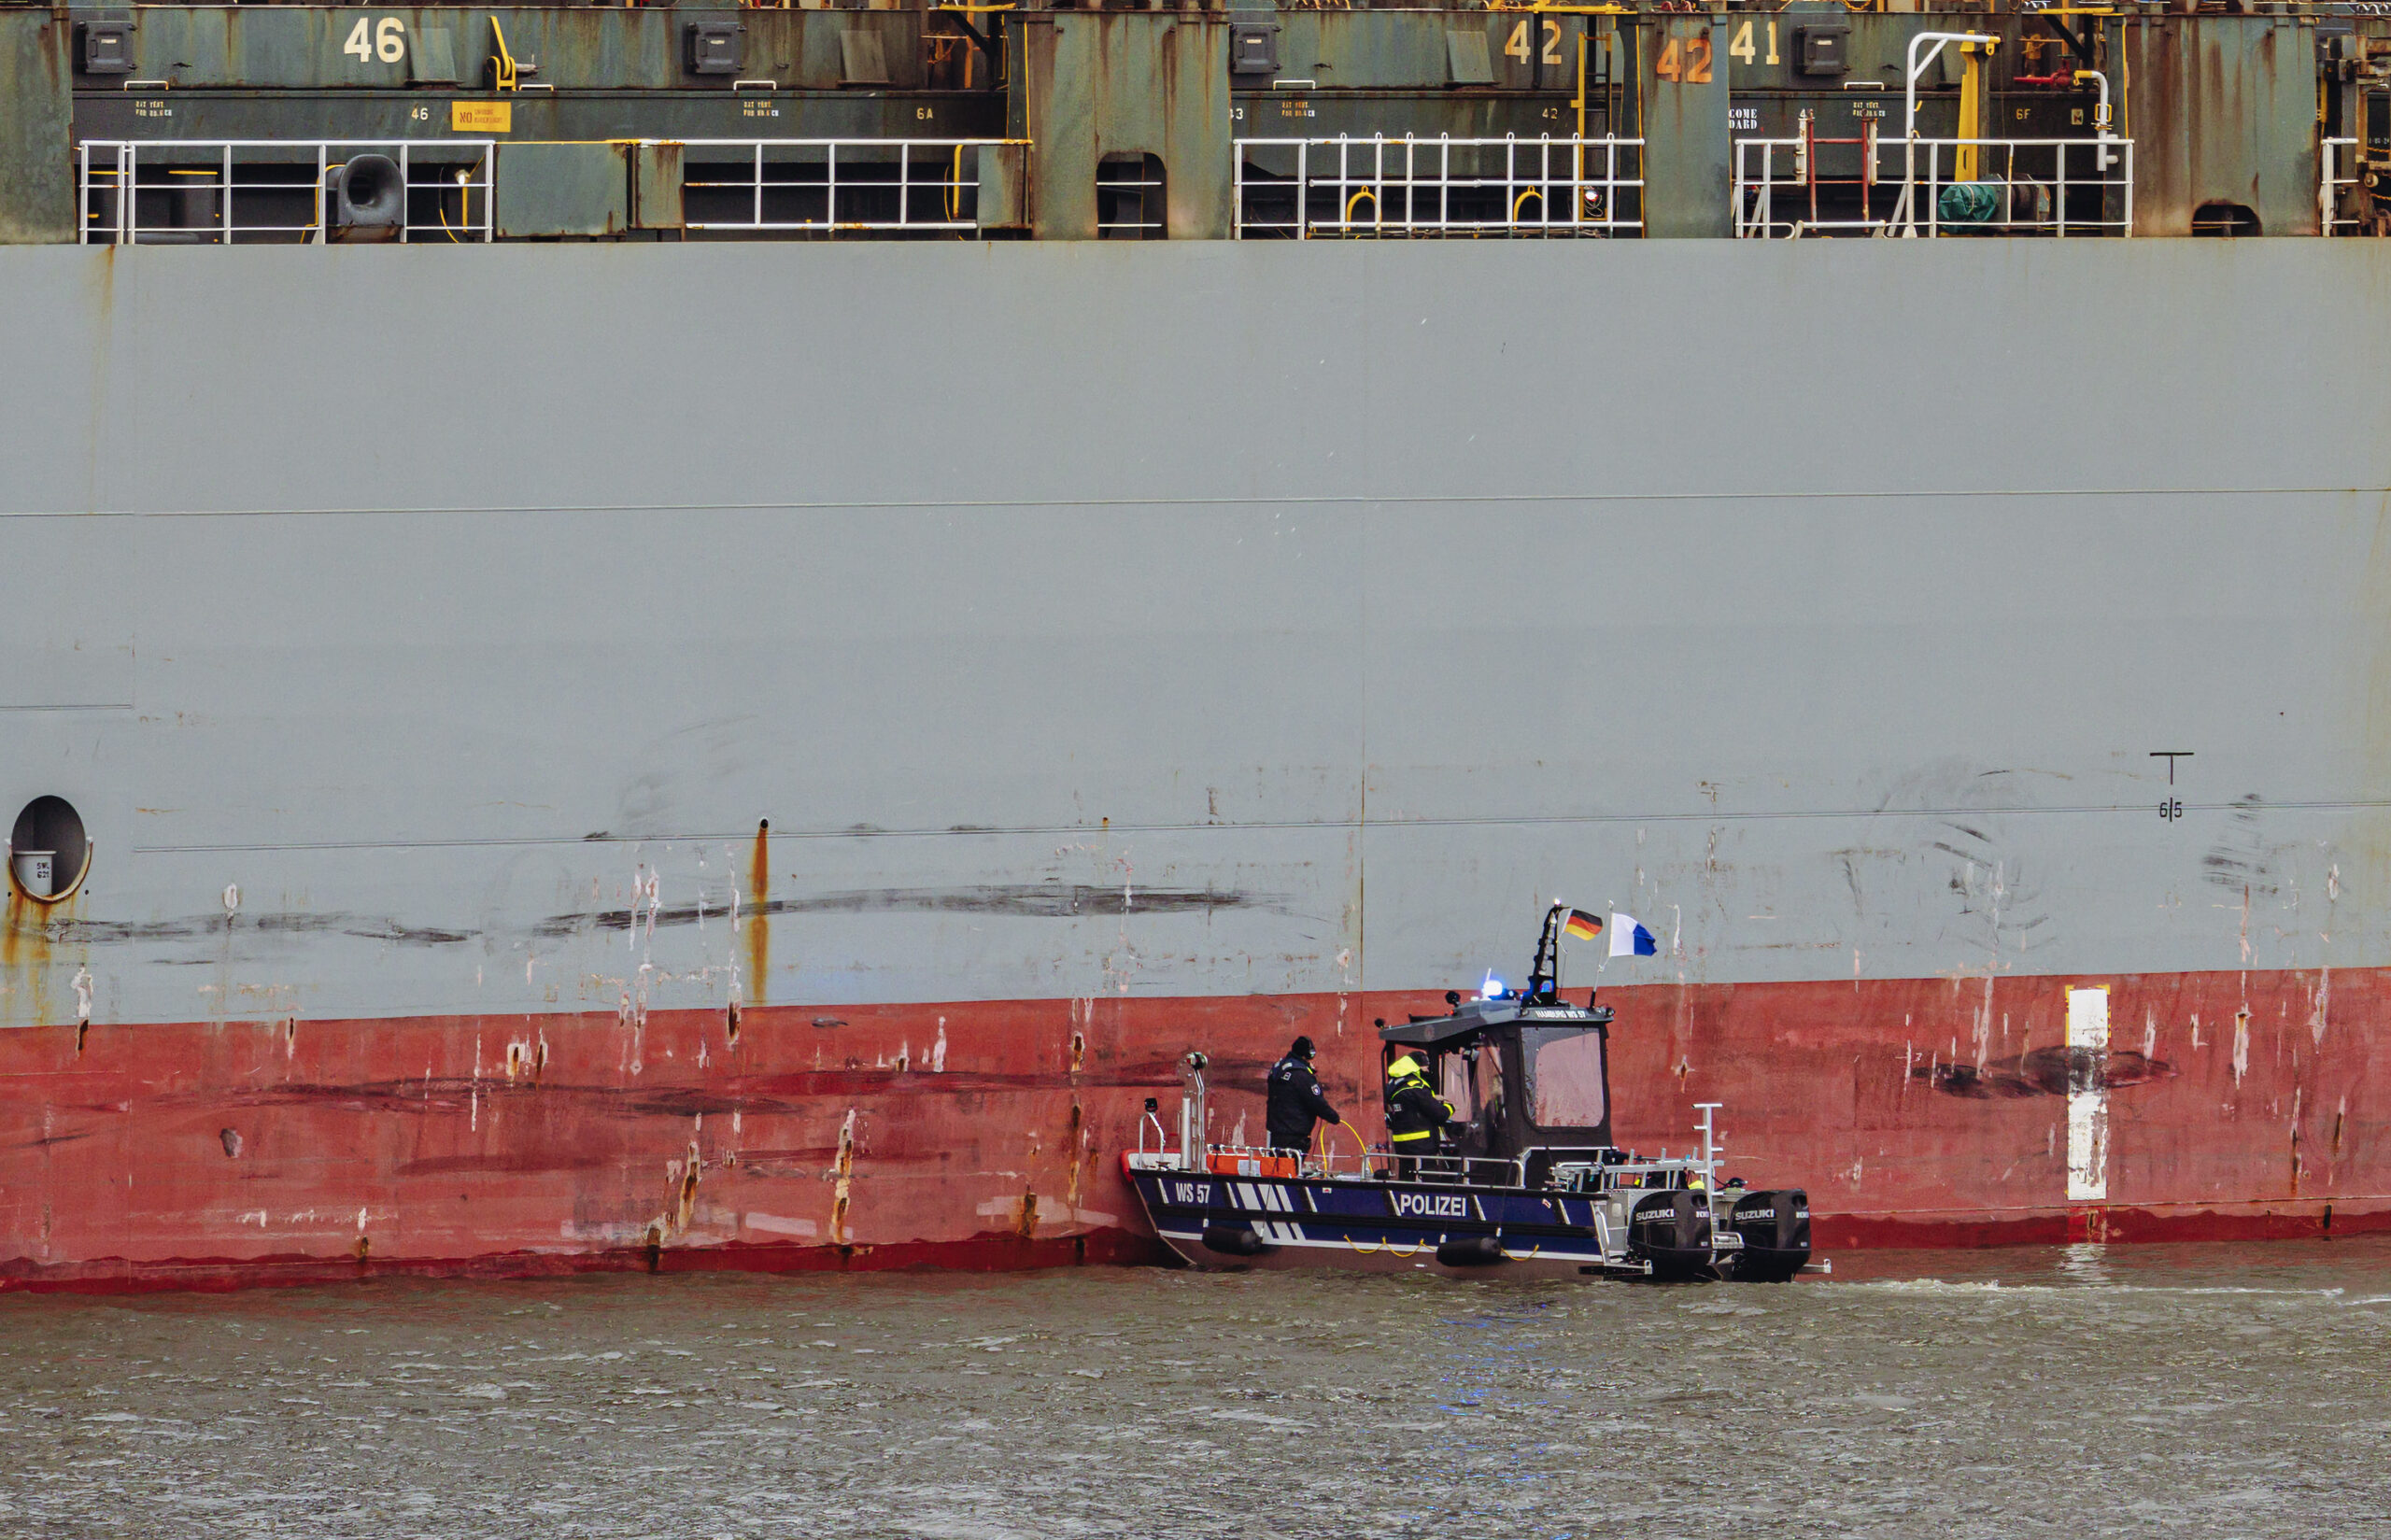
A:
[1415,1115]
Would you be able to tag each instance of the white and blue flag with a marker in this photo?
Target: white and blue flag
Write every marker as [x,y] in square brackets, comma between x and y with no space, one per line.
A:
[1628,937]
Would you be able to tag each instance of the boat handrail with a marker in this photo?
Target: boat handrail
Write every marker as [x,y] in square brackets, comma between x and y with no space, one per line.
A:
[1377,1163]
[1382,1162]
[1468,1170]
[1162,1137]
[1323,1162]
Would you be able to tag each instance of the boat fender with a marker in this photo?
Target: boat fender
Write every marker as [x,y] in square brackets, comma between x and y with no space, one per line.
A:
[1471,1251]
[370,194]
[1233,1243]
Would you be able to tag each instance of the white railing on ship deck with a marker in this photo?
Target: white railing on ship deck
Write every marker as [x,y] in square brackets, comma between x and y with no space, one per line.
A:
[1440,186]
[2339,174]
[1909,178]
[194,192]
[829,185]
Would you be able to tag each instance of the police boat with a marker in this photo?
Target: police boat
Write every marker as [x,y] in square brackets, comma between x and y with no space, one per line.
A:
[1527,1184]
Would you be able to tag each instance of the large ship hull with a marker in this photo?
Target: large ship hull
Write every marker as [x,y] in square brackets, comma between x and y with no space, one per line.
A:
[568,789]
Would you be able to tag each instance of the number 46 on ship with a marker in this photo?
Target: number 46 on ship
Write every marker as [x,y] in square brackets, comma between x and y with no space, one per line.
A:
[387,41]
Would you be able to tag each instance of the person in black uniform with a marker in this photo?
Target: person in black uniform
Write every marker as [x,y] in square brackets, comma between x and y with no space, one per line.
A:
[1296,1100]
[1416,1116]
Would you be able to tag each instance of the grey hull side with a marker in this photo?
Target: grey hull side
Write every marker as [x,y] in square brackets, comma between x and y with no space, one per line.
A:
[426,631]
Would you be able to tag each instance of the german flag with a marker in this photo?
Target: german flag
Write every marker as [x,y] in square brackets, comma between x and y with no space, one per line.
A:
[1581,925]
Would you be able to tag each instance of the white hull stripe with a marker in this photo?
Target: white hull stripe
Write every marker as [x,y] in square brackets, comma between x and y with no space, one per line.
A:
[1287,1235]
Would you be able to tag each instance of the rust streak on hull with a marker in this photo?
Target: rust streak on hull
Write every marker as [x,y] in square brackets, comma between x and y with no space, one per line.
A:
[759,918]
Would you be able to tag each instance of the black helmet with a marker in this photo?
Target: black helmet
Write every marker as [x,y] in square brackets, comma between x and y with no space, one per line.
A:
[1302,1050]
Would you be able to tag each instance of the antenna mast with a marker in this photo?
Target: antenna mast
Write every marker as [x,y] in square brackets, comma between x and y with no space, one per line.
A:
[1544,974]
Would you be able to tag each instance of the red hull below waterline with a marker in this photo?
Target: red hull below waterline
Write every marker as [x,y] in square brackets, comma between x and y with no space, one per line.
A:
[985,1134]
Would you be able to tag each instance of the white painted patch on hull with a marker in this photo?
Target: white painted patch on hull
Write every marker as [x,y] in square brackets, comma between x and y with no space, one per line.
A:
[2088,1097]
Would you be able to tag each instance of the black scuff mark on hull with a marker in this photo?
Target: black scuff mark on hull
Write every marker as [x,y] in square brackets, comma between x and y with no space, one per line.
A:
[364,929]
[796,1093]
[1021,900]
[517,1164]
[1026,901]
[2046,1072]
[47,1141]
[210,927]
[2239,862]
[806,1162]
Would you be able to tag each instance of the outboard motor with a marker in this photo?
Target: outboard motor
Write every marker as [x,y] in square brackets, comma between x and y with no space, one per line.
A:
[369,199]
[1672,1232]
[1775,1227]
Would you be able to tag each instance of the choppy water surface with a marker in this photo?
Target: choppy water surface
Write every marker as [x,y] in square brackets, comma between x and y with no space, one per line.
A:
[2211,1390]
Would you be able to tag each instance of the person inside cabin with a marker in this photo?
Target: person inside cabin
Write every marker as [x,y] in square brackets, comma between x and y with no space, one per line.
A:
[1296,1100]
[1416,1116]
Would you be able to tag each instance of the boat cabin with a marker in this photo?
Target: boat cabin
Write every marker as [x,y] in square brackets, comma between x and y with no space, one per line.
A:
[1527,1076]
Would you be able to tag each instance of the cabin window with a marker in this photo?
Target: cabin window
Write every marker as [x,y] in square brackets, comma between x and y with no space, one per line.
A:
[1454,1085]
[47,850]
[1487,1071]
[1564,1079]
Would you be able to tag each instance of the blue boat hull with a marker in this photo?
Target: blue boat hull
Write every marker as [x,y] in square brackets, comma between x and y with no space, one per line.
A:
[1371,1226]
